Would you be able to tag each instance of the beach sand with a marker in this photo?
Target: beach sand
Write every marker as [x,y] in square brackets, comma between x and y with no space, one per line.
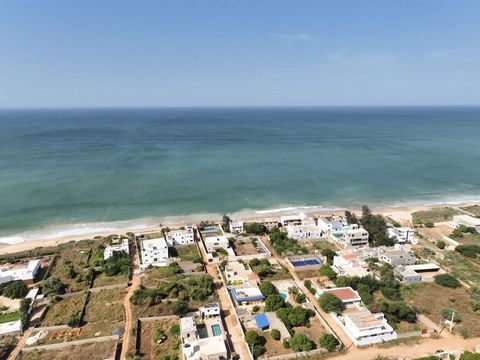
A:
[32,240]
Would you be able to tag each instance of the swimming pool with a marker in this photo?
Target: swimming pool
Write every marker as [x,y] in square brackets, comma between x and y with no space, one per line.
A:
[216,330]
[283,295]
[306,262]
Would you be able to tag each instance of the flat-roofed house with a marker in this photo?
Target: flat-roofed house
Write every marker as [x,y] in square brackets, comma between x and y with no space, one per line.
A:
[111,249]
[236,227]
[396,257]
[355,236]
[365,328]
[180,236]
[333,224]
[27,274]
[298,219]
[304,232]
[154,252]
[402,235]
[349,264]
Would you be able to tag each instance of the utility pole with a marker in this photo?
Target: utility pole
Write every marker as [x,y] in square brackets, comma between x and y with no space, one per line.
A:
[451,321]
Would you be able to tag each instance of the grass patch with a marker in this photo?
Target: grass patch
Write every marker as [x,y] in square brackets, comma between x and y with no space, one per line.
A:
[93,351]
[59,312]
[185,252]
[104,280]
[431,299]
[11,316]
[434,215]
[474,209]
[105,306]
[148,345]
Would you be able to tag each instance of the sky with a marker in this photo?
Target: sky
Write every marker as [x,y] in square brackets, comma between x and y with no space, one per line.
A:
[140,53]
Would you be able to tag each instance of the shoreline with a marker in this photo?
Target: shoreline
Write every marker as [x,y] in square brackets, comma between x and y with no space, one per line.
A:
[57,234]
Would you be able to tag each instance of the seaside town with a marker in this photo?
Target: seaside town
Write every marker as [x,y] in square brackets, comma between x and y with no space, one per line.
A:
[347,284]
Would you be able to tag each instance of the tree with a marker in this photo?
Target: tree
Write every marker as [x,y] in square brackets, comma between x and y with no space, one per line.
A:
[447,314]
[429,224]
[15,290]
[179,307]
[330,303]
[226,223]
[254,228]
[255,342]
[75,320]
[118,263]
[376,227]
[275,334]
[447,280]
[351,217]
[267,288]
[300,342]
[329,255]
[300,298]
[329,342]
[467,355]
[441,244]
[297,316]
[326,270]
[274,302]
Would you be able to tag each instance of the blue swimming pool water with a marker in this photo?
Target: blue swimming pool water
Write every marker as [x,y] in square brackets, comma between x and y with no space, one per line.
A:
[216,330]
[283,296]
[305,262]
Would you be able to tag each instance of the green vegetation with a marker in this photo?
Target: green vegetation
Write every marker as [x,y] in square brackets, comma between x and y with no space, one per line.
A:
[226,223]
[256,343]
[328,342]
[294,316]
[275,334]
[14,290]
[467,355]
[447,280]
[301,342]
[283,244]
[10,316]
[376,227]
[274,302]
[175,330]
[441,244]
[470,251]
[75,320]
[308,285]
[474,209]
[329,255]
[326,270]
[179,308]
[351,218]
[461,230]
[447,314]
[52,286]
[254,228]
[420,218]
[117,264]
[261,267]
[267,288]
[300,298]
[330,303]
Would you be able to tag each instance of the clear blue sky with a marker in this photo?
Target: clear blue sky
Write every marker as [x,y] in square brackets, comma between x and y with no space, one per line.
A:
[239,53]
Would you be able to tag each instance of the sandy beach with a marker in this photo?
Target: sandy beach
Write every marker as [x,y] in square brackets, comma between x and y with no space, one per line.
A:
[49,237]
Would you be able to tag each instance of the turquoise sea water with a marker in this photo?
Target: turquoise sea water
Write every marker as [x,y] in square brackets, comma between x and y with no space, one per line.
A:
[78,166]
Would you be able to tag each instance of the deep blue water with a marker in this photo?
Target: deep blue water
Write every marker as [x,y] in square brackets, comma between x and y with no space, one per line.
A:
[75,166]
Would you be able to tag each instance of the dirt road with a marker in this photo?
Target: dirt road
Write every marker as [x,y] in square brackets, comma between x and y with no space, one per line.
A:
[20,344]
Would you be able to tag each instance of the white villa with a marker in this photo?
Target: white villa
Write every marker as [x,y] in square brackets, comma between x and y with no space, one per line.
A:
[236,227]
[154,252]
[347,295]
[465,220]
[355,236]
[180,237]
[333,224]
[111,249]
[303,232]
[203,344]
[350,265]
[26,274]
[299,219]
[402,235]
[365,328]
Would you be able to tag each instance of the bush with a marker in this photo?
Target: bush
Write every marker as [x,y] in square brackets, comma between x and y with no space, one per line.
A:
[52,286]
[286,344]
[441,244]
[255,308]
[447,314]
[297,316]
[275,334]
[74,320]
[329,342]
[470,251]
[15,290]
[175,330]
[326,270]
[179,307]
[300,298]
[282,243]
[330,303]
[117,264]
[429,224]
[300,342]
[255,342]
[447,280]
[329,255]
[254,228]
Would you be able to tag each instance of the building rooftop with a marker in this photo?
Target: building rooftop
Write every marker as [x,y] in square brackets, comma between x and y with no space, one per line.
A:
[344,294]
[364,319]
[154,244]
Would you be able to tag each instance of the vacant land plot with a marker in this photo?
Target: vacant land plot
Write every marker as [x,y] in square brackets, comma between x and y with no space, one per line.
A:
[148,344]
[464,268]
[104,280]
[59,312]
[93,351]
[474,209]
[105,306]
[434,215]
[273,347]
[186,252]
[243,247]
[467,239]
[431,299]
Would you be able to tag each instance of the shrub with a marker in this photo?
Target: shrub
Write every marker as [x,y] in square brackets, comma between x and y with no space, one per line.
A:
[447,314]
[329,342]
[255,342]
[254,228]
[275,334]
[286,344]
[74,320]
[329,255]
[179,307]
[117,264]
[267,288]
[297,316]
[52,286]
[447,280]
[326,270]
[470,251]
[300,342]
[175,330]
[429,224]
[255,308]
[330,303]
[300,298]
[441,244]
[15,290]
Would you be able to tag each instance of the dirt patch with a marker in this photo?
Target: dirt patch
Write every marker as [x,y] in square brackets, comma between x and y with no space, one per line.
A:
[59,312]
[93,351]
[104,280]
[105,306]
[150,348]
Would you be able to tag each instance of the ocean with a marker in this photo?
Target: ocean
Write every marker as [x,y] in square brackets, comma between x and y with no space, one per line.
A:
[87,166]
